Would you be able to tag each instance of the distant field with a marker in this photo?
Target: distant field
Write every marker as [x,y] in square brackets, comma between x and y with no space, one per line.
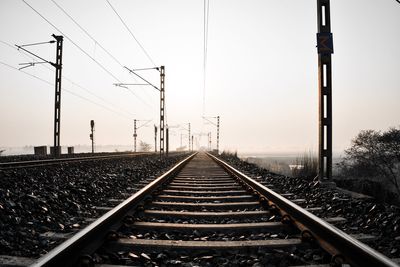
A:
[278,163]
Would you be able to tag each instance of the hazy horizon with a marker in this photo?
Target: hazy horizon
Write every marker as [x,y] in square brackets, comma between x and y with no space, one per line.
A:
[261,71]
[86,148]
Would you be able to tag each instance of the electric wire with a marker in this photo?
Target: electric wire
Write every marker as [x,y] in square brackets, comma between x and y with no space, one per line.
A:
[69,80]
[69,39]
[93,39]
[66,90]
[205,48]
[131,33]
[87,33]
[83,51]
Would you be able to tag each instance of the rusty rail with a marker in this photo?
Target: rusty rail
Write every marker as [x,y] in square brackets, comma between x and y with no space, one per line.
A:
[90,238]
[343,247]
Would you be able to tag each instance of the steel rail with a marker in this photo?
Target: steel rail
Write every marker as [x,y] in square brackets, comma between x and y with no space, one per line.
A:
[329,237]
[91,237]
[43,162]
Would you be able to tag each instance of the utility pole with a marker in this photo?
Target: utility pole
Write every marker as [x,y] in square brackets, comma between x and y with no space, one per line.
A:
[162,107]
[136,128]
[155,138]
[192,143]
[92,134]
[189,138]
[56,151]
[216,125]
[57,104]
[325,51]
[134,134]
[162,97]
[217,134]
[167,140]
[209,141]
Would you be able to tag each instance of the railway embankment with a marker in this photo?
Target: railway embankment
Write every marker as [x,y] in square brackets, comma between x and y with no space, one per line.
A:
[59,198]
[364,215]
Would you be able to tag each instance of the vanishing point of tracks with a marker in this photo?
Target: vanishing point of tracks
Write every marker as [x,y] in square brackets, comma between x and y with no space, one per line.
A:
[203,205]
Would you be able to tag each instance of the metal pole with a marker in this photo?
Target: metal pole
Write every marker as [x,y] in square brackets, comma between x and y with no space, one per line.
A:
[92,134]
[325,51]
[217,134]
[192,143]
[134,134]
[189,138]
[162,107]
[209,141]
[57,103]
[167,140]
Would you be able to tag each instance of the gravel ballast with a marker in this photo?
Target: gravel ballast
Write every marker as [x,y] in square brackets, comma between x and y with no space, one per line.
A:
[363,215]
[59,198]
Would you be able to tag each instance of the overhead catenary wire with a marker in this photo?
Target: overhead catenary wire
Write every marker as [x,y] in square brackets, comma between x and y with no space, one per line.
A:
[96,42]
[131,33]
[87,33]
[70,80]
[205,48]
[83,51]
[68,91]
[69,39]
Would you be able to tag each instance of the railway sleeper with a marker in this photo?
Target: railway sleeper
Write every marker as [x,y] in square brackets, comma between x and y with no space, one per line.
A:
[199,199]
[207,188]
[201,206]
[205,214]
[129,244]
[228,184]
[205,193]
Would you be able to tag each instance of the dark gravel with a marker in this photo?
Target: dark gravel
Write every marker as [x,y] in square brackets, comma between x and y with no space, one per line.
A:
[256,258]
[363,215]
[59,197]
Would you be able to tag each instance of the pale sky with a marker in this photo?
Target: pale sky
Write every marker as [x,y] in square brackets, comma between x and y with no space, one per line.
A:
[261,71]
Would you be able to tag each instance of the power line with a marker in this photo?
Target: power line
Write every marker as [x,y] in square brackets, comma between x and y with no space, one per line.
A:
[72,82]
[205,48]
[92,38]
[66,90]
[83,51]
[75,44]
[126,26]
[87,33]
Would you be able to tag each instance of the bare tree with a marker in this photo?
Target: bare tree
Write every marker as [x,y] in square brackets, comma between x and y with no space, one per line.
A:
[374,154]
[144,147]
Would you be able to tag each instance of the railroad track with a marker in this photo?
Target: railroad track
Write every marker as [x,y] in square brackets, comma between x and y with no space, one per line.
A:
[203,212]
[46,162]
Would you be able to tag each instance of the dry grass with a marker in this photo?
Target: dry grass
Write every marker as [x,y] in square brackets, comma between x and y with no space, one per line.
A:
[307,166]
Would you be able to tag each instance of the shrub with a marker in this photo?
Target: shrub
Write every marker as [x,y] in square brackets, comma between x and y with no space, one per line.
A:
[374,155]
[306,166]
